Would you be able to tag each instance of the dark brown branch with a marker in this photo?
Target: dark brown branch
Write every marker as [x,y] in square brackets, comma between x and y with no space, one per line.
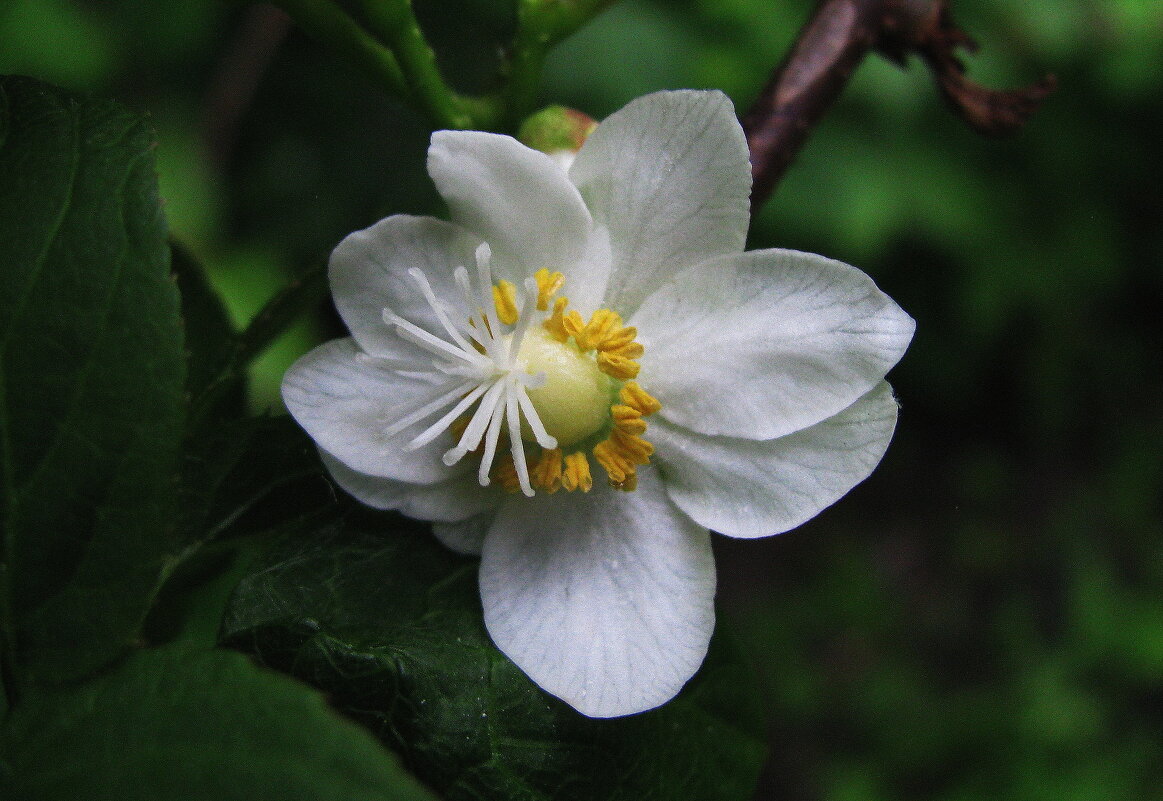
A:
[238,75]
[992,112]
[830,47]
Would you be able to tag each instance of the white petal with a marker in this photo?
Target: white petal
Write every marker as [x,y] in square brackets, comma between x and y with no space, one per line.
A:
[764,343]
[457,498]
[369,272]
[467,536]
[669,176]
[748,488]
[517,199]
[604,599]
[346,399]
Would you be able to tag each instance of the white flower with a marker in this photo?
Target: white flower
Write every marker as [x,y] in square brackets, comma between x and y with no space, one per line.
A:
[583,372]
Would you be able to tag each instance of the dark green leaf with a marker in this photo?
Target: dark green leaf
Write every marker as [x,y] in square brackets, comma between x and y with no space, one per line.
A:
[303,293]
[243,476]
[173,724]
[210,337]
[91,376]
[389,624]
[221,385]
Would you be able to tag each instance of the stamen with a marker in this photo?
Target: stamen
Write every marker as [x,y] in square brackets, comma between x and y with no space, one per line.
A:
[576,473]
[634,395]
[629,484]
[470,440]
[505,474]
[481,365]
[631,350]
[430,296]
[633,446]
[534,419]
[488,308]
[547,286]
[428,408]
[602,323]
[444,422]
[513,415]
[523,322]
[505,301]
[619,339]
[620,454]
[628,419]
[429,342]
[546,474]
[617,366]
[616,465]
[574,325]
[555,323]
[496,416]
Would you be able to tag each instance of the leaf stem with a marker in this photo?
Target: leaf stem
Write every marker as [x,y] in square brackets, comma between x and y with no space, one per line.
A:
[541,24]
[395,23]
[329,24]
[829,48]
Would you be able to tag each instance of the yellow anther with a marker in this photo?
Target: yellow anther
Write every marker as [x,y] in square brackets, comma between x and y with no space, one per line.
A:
[602,324]
[635,396]
[618,366]
[631,350]
[619,339]
[632,446]
[627,419]
[574,325]
[613,461]
[555,323]
[505,299]
[505,474]
[576,474]
[547,286]
[546,474]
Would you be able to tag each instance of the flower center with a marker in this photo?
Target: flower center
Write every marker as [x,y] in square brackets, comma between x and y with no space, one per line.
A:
[574,401]
[498,380]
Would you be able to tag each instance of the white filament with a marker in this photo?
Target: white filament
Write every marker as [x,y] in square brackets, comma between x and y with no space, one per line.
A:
[496,380]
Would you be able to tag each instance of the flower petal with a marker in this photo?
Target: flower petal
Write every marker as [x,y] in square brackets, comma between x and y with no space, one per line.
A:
[369,272]
[467,536]
[669,176]
[517,199]
[604,599]
[761,344]
[749,488]
[457,498]
[345,399]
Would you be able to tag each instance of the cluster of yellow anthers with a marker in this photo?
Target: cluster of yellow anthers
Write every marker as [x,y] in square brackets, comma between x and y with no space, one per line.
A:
[615,350]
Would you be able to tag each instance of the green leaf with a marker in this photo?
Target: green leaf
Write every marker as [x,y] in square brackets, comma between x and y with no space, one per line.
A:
[389,624]
[173,724]
[273,320]
[210,338]
[227,356]
[244,476]
[91,377]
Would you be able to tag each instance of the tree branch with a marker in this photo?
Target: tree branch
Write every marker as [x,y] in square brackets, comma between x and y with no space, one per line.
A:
[332,26]
[830,47]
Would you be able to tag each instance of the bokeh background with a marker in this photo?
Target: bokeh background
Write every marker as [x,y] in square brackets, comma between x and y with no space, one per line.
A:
[983,618]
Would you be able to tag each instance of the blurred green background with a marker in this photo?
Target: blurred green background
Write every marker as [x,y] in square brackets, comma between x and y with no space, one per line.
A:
[983,618]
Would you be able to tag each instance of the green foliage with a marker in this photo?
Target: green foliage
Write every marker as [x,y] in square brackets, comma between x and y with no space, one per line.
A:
[91,375]
[980,620]
[170,723]
[388,624]
[138,497]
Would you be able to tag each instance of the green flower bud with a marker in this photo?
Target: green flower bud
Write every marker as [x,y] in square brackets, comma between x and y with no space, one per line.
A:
[557,130]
